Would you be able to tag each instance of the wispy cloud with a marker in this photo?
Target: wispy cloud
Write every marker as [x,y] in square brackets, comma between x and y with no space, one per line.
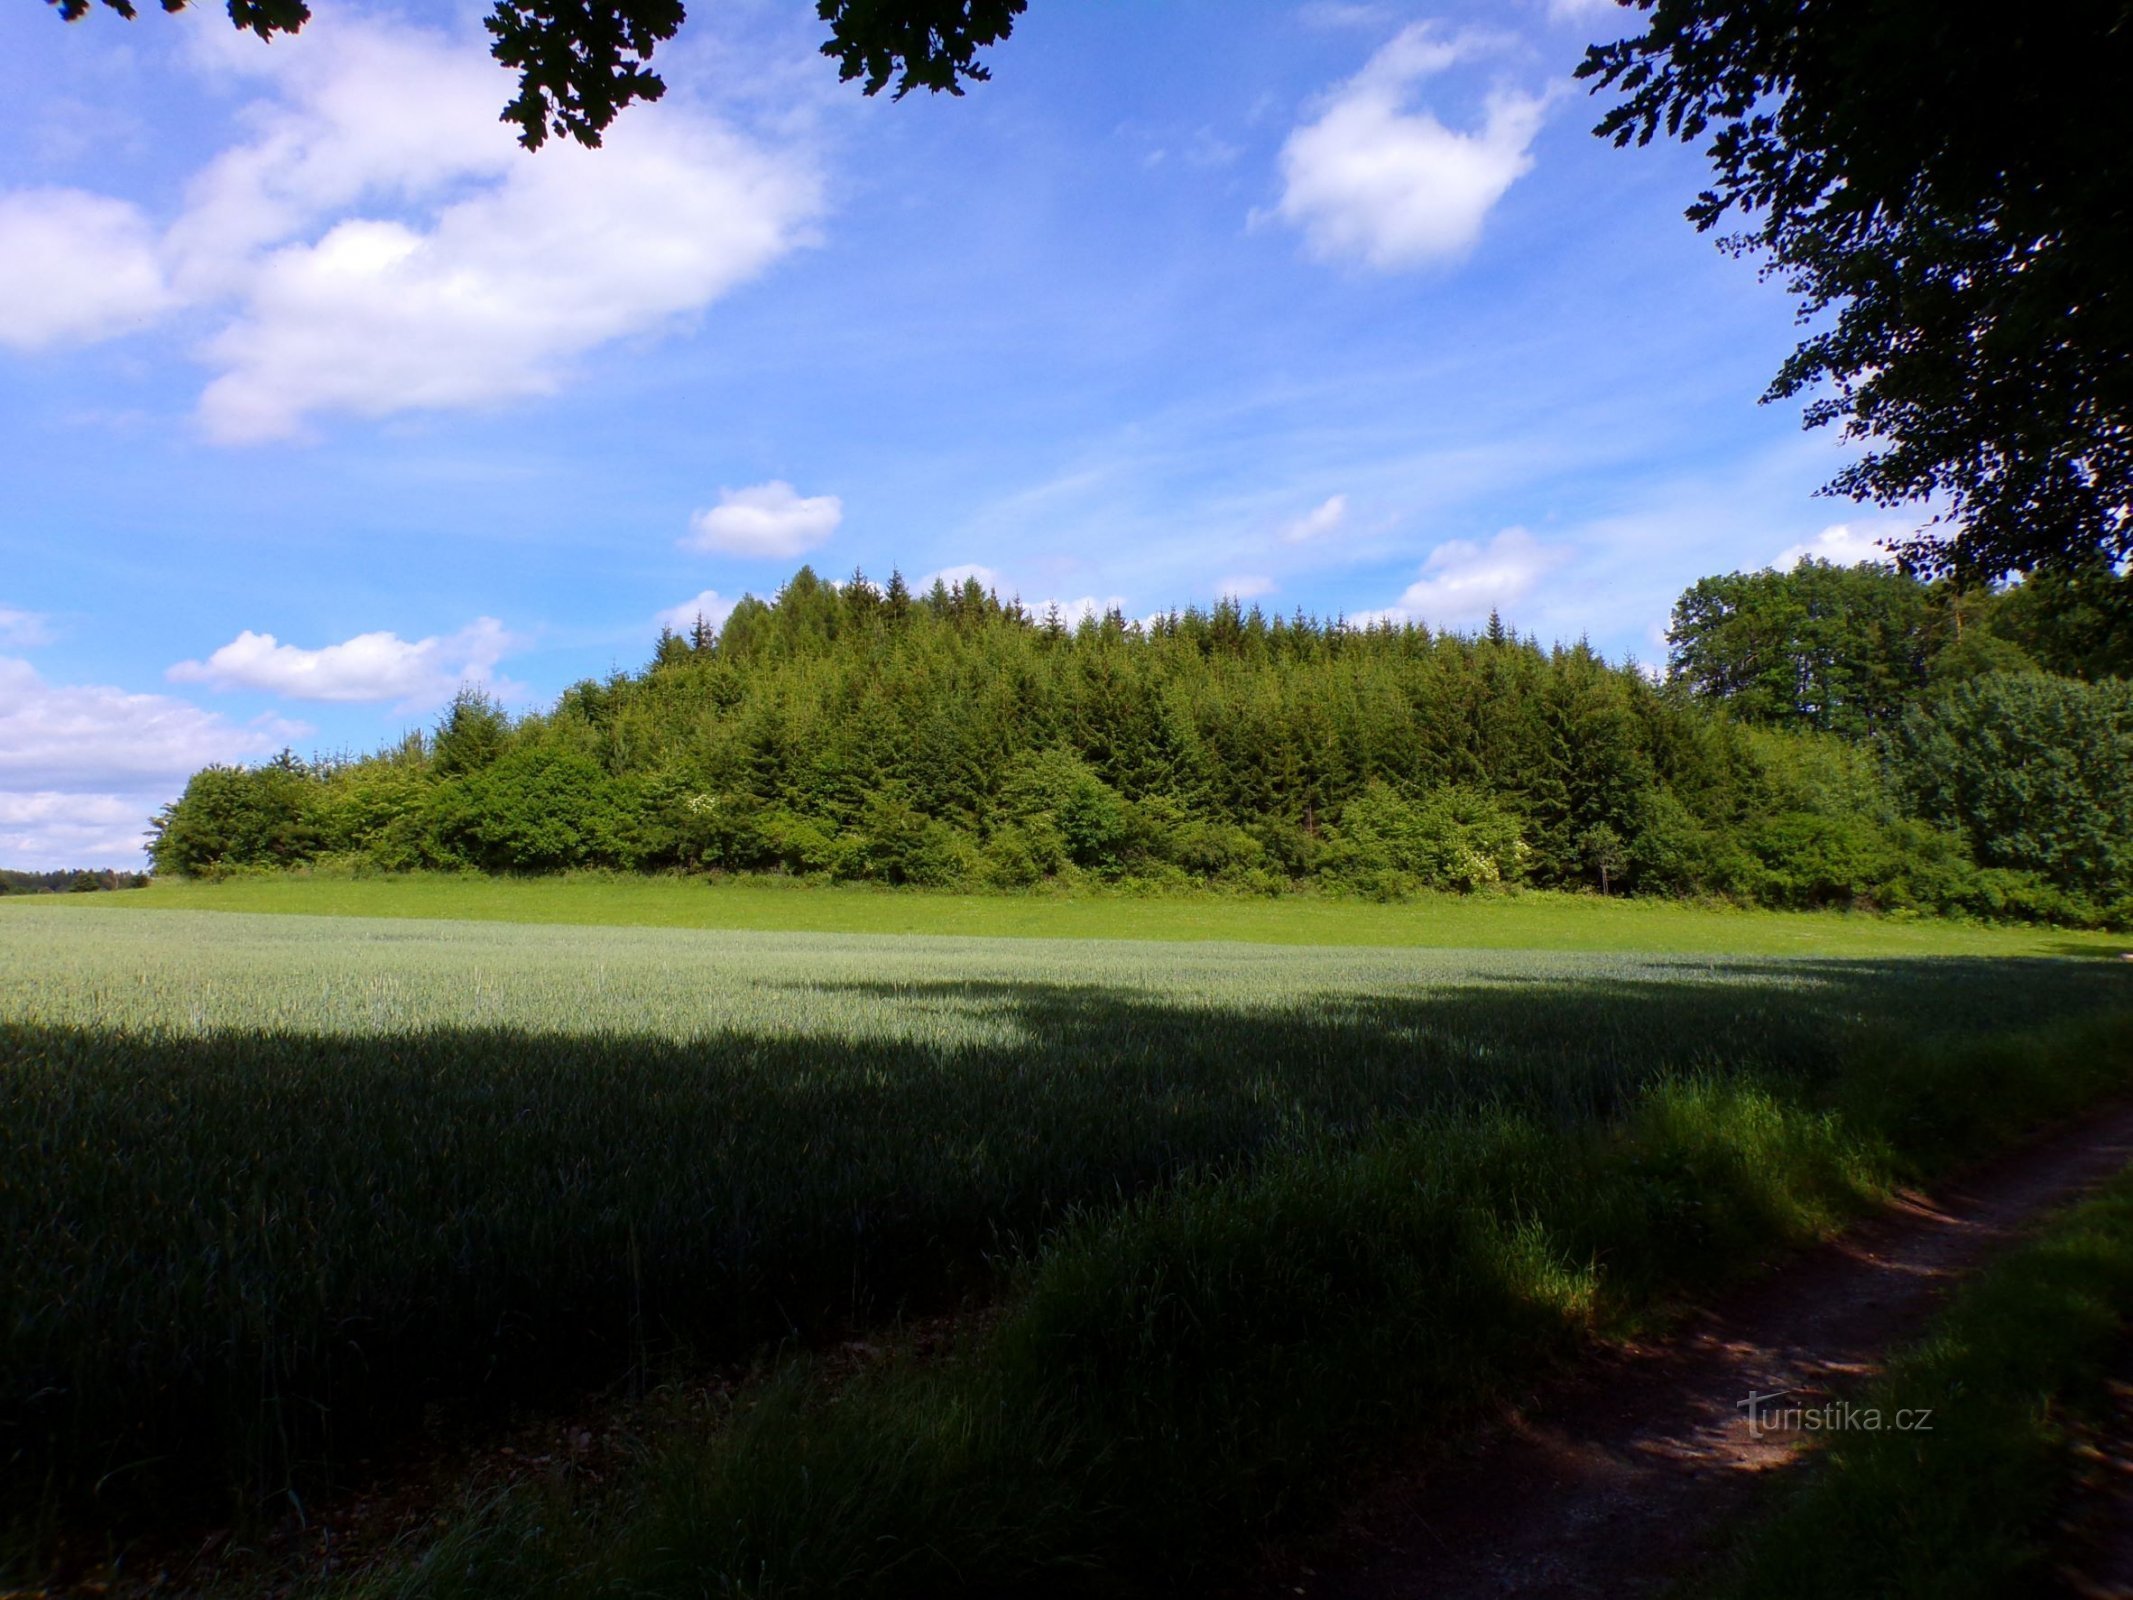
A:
[1322,519]
[22,629]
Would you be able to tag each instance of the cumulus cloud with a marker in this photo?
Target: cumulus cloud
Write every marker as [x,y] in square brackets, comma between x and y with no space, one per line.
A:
[75,267]
[490,300]
[49,829]
[1462,581]
[1844,543]
[1376,181]
[1319,521]
[383,245]
[23,628]
[72,737]
[370,666]
[83,767]
[713,607]
[1244,586]
[768,519]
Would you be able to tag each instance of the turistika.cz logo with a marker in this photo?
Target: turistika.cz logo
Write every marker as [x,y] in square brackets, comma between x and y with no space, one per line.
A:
[1770,1413]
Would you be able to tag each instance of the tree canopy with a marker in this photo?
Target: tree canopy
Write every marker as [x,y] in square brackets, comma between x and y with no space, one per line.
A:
[1947,192]
[855,731]
[580,62]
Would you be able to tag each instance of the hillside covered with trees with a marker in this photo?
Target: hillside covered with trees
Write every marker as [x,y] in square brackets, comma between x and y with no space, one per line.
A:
[1828,736]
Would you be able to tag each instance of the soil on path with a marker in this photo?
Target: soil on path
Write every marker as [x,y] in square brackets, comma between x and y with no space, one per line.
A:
[1622,1480]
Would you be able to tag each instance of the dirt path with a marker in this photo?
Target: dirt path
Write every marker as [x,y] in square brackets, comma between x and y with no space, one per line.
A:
[1620,1480]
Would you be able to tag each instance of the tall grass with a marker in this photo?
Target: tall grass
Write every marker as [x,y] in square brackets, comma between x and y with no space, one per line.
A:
[1178,1378]
[271,1188]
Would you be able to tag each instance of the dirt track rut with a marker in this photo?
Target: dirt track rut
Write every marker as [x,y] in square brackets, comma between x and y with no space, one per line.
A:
[1623,1478]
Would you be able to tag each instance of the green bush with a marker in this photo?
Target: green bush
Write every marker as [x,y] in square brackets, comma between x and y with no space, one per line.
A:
[232,817]
[1058,788]
[1216,850]
[1805,860]
[1453,838]
[901,844]
[537,809]
[373,810]
[800,844]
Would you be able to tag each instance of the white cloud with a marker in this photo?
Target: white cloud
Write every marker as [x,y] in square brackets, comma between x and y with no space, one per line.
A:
[1844,543]
[712,606]
[384,246]
[83,767]
[1319,521]
[75,736]
[993,581]
[75,267]
[1597,19]
[1074,612]
[1245,586]
[370,666]
[48,829]
[23,628]
[1343,14]
[990,578]
[768,519]
[573,249]
[1374,181]
[1463,581]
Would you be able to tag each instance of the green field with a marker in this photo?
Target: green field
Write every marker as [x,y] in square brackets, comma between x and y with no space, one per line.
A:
[1527,921]
[275,1187]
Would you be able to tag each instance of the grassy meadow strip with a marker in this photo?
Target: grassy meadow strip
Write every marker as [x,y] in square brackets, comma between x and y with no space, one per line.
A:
[1530,920]
[1177,1379]
[2010,1371]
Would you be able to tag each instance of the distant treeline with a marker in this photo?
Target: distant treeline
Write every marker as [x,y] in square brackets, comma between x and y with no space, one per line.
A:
[1829,736]
[75,880]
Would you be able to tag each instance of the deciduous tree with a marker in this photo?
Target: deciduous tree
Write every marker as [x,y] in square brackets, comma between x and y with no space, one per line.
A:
[580,62]
[1949,191]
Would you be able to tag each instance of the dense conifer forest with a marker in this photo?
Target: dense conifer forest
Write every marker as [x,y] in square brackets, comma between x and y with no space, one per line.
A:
[1825,737]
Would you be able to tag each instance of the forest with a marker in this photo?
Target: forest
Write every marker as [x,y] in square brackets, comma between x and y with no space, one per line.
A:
[1827,736]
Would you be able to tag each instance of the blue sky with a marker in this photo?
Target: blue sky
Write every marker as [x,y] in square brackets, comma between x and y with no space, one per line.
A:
[318,397]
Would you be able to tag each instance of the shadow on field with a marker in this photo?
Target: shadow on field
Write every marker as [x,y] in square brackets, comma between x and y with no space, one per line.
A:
[237,1261]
